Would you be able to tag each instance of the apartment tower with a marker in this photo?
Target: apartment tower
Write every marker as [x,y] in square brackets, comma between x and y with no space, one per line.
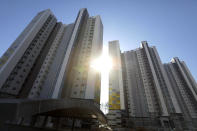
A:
[38,63]
[116,94]
[149,95]
[185,89]
[50,63]
[156,95]
[82,80]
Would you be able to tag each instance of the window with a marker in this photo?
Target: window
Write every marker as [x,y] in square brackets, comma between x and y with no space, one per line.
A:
[24,57]
[6,86]
[18,67]
[21,62]
[24,70]
[40,87]
[37,92]
[27,52]
[11,78]
[14,73]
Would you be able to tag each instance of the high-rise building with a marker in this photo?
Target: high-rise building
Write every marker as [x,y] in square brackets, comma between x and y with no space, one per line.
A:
[185,89]
[50,62]
[154,94]
[82,80]
[48,53]
[116,94]
[149,93]
[18,61]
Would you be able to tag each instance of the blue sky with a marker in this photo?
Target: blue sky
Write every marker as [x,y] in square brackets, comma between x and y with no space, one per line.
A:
[170,25]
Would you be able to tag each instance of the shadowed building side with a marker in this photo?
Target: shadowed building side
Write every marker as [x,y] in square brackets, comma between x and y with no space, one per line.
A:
[148,96]
[184,87]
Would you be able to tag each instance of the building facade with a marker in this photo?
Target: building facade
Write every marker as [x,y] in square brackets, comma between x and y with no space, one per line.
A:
[185,89]
[50,62]
[116,94]
[82,80]
[155,94]
[18,60]
[38,63]
[149,93]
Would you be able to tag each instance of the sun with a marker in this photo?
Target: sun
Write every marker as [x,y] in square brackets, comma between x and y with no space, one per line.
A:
[102,64]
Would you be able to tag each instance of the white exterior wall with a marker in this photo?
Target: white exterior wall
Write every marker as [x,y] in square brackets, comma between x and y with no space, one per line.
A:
[115,76]
[23,42]
[158,88]
[96,51]
[169,87]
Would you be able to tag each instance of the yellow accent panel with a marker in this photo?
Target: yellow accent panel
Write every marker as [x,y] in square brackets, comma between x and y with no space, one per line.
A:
[114,101]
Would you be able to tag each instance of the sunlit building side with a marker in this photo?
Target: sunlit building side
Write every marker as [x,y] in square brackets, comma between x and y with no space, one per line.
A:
[28,52]
[116,95]
[82,80]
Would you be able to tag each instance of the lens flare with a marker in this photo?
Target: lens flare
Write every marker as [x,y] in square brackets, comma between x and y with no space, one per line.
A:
[102,64]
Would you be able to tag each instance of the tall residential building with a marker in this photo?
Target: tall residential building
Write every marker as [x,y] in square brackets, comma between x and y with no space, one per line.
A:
[149,94]
[185,89]
[18,61]
[39,61]
[156,96]
[116,95]
[50,63]
[82,80]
